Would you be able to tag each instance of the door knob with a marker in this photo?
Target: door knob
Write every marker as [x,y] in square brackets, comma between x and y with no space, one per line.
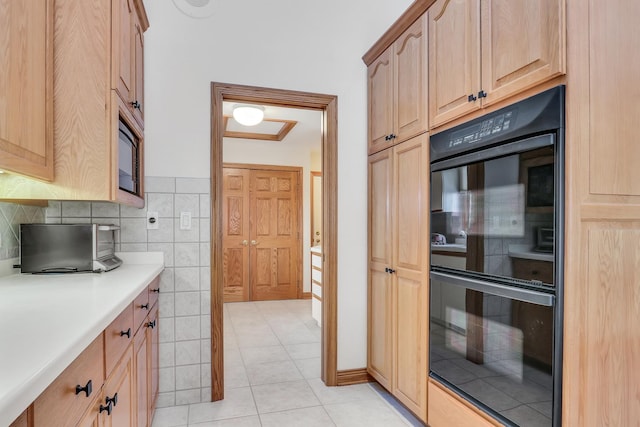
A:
[253,242]
[245,243]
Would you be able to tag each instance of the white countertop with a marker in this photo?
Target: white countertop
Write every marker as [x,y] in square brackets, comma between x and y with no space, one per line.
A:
[449,247]
[526,252]
[46,321]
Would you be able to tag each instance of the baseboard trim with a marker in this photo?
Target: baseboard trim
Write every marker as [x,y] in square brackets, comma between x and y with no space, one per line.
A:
[306,295]
[354,376]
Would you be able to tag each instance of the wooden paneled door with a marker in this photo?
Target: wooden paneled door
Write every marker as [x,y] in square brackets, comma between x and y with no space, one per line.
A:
[235,234]
[262,236]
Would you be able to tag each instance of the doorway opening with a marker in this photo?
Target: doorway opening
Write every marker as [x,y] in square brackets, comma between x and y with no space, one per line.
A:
[327,105]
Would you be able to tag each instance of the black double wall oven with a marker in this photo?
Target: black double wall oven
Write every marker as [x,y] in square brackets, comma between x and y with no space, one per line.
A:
[496,260]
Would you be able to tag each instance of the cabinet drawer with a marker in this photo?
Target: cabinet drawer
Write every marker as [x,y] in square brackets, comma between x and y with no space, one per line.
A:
[117,337]
[316,275]
[60,403]
[316,261]
[141,308]
[154,291]
[530,269]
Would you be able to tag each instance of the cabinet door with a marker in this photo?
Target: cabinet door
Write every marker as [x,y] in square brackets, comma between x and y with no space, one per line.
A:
[410,238]
[454,59]
[93,417]
[141,369]
[380,103]
[138,71]
[410,82]
[26,87]
[523,44]
[379,357]
[235,234]
[123,22]
[121,387]
[153,361]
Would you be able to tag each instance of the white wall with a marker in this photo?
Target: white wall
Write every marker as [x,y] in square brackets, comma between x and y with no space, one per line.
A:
[285,44]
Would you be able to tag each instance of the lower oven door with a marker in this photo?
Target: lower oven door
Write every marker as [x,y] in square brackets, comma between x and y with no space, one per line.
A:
[493,345]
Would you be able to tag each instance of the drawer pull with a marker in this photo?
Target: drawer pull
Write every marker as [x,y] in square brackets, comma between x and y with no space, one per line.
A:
[145,306]
[107,408]
[151,324]
[156,290]
[127,333]
[112,400]
[87,389]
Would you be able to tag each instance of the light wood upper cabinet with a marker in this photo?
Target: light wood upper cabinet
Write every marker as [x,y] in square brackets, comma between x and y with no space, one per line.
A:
[26,87]
[523,44]
[484,51]
[129,22]
[454,59]
[398,267]
[397,82]
[86,110]
[380,80]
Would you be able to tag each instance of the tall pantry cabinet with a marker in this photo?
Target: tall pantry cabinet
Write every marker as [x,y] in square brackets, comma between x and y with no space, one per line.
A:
[398,219]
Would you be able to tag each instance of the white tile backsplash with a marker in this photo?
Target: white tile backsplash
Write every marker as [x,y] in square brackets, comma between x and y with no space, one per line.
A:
[104,209]
[187,328]
[133,230]
[76,209]
[187,352]
[187,203]
[187,279]
[187,303]
[187,254]
[161,203]
[11,216]
[187,377]
[188,235]
[185,298]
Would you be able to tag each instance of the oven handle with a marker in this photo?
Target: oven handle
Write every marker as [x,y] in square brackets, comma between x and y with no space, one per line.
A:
[515,147]
[526,295]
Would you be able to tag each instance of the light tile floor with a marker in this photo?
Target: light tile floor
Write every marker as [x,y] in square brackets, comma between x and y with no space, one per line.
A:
[272,378]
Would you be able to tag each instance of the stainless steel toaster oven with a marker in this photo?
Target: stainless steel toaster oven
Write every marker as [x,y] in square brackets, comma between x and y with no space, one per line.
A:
[68,248]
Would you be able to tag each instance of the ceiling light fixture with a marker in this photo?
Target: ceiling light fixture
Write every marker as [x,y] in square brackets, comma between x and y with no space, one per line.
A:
[248,115]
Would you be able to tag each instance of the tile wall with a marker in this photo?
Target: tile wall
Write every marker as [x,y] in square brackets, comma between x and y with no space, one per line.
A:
[185,356]
[11,216]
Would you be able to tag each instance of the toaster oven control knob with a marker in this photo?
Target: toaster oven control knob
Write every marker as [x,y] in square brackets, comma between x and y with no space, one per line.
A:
[127,333]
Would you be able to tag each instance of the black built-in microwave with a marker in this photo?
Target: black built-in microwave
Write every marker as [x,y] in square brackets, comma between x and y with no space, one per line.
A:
[128,159]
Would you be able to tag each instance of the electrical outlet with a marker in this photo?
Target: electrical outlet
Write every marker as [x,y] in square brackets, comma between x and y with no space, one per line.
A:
[185,220]
[153,220]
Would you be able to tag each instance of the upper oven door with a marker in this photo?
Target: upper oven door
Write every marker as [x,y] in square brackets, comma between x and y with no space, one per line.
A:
[492,206]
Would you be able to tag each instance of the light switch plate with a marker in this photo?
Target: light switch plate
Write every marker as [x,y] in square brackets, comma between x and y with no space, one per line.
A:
[185,220]
[153,220]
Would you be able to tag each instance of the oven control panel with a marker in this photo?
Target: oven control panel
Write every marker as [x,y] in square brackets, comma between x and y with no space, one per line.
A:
[489,127]
[540,113]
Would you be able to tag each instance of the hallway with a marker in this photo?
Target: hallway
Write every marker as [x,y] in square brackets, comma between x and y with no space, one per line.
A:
[272,377]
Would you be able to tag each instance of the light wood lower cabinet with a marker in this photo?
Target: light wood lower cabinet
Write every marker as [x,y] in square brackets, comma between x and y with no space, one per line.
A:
[398,267]
[70,394]
[447,410]
[119,393]
[112,383]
